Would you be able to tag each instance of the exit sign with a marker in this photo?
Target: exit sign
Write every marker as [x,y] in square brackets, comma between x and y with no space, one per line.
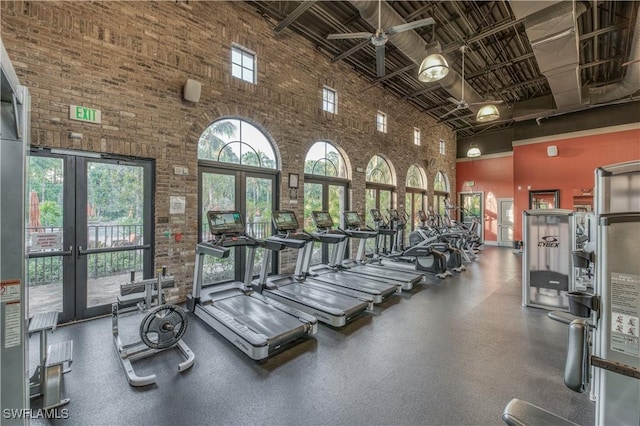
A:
[81,113]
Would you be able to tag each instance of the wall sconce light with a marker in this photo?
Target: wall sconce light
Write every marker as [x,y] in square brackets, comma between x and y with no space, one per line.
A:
[487,113]
[434,67]
[474,151]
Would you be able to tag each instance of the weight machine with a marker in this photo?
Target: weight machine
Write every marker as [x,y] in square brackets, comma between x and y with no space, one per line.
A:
[162,327]
[604,345]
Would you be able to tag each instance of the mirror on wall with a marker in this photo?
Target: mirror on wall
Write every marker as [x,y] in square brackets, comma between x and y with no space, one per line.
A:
[583,199]
[544,199]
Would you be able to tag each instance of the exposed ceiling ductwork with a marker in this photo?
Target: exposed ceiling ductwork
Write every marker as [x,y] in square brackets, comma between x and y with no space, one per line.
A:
[553,34]
[414,47]
[541,58]
[630,84]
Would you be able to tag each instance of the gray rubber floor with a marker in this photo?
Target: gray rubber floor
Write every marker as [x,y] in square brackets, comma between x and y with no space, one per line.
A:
[450,352]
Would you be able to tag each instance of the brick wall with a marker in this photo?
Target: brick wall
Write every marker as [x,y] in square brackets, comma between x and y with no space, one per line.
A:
[130,60]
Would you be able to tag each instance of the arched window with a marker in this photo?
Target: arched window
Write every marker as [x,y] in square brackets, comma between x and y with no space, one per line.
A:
[326,188]
[415,193]
[414,178]
[440,183]
[378,171]
[237,170]
[440,189]
[379,190]
[323,159]
[238,142]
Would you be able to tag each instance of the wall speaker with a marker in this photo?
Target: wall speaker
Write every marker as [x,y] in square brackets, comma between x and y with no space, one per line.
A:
[552,151]
[191,90]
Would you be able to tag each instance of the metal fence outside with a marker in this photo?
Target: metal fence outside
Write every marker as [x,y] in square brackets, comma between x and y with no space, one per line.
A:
[48,270]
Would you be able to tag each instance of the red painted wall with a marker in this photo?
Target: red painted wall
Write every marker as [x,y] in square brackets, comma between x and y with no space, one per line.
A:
[530,166]
[494,176]
[572,168]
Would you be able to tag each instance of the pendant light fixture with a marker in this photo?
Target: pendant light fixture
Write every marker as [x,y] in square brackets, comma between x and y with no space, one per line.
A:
[487,113]
[434,67]
[473,151]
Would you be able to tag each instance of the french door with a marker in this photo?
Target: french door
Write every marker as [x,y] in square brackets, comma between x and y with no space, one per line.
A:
[472,208]
[323,195]
[377,197]
[414,201]
[89,224]
[253,194]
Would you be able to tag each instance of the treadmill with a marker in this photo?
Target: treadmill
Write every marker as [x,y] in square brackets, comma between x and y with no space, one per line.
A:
[332,305]
[356,229]
[378,288]
[255,324]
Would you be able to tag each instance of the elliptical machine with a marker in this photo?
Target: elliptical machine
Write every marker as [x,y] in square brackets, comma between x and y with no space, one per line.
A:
[422,256]
[426,235]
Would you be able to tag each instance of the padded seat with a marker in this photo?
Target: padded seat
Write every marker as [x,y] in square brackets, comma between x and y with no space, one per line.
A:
[521,413]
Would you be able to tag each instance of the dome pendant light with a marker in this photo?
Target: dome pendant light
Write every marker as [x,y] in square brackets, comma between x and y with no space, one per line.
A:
[487,113]
[433,68]
[474,151]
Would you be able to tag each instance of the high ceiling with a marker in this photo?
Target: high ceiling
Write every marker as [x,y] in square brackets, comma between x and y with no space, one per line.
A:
[500,62]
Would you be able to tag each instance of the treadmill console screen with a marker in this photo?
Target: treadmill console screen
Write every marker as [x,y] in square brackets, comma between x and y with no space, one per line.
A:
[375,214]
[352,219]
[393,214]
[422,216]
[225,222]
[285,220]
[322,219]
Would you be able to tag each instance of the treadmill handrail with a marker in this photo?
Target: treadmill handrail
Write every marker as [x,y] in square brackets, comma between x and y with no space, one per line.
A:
[359,233]
[287,242]
[330,238]
[211,249]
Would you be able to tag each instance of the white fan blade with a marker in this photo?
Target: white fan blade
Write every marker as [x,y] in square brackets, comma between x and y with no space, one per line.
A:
[454,101]
[380,60]
[410,26]
[348,36]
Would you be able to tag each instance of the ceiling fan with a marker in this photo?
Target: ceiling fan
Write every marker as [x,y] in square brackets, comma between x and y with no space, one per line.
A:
[462,103]
[380,37]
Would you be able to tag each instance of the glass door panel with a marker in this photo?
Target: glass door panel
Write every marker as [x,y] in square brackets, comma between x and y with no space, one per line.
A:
[312,202]
[370,203]
[89,226]
[380,199]
[336,203]
[221,189]
[115,219]
[259,207]
[45,234]
[323,196]
[217,193]
[313,196]
[471,209]
[385,201]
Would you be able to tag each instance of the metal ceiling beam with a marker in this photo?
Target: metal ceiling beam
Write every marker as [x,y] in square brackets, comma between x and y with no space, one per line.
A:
[605,30]
[419,12]
[421,92]
[351,51]
[302,7]
[391,75]
[533,81]
[602,62]
[484,34]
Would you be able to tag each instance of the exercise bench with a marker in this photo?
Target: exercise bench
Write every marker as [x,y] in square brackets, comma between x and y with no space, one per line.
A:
[55,360]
